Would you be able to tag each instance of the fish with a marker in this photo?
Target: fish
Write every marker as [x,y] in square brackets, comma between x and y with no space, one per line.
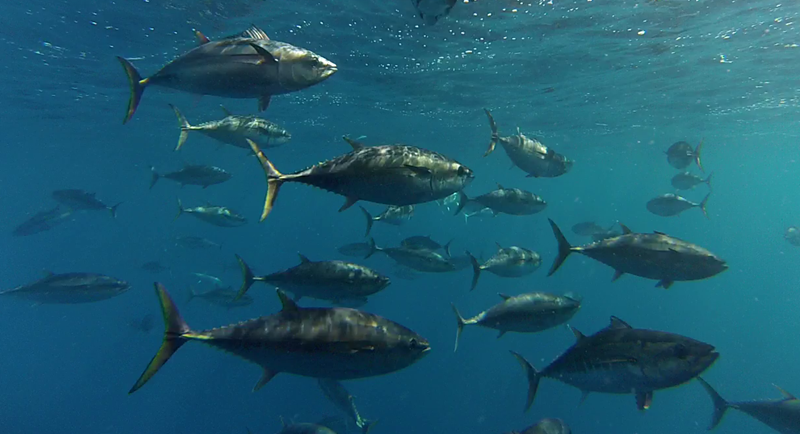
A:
[431,11]
[304,428]
[470,209]
[669,205]
[512,201]
[333,281]
[334,343]
[223,297]
[792,235]
[41,221]
[546,426]
[587,229]
[415,259]
[525,313]
[344,401]
[461,262]
[652,256]
[620,359]
[213,279]
[388,174]
[233,130]
[393,215]
[82,200]
[687,181]
[214,214]
[70,288]
[355,250]
[507,262]
[249,65]
[680,155]
[203,176]
[154,267]
[143,324]
[196,243]
[424,242]
[782,415]
[530,155]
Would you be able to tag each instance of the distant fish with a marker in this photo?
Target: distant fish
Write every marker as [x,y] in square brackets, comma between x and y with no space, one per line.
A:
[234,130]
[214,214]
[792,235]
[196,243]
[423,260]
[70,288]
[209,278]
[687,181]
[41,222]
[431,11]
[345,402]
[507,262]
[680,155]
[355,250]
[393,215]
[82,200]
[425,242]
[222,297]
[203,176]
[669,205]
[782,415]
[154,267]
[546,426]
[512,201]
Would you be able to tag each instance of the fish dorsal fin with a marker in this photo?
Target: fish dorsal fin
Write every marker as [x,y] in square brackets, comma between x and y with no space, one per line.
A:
[660,233]
[47,273]
[499,247]
[283,422]
[254,32]
[288,304]
[356,145]
[618,324]
[625,230]
[578,335]
[504,296]
[500,187]
[201,38]
[226,111]
[785,394]
[303,258]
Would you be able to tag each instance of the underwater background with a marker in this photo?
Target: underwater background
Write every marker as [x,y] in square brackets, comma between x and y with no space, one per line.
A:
[610,84]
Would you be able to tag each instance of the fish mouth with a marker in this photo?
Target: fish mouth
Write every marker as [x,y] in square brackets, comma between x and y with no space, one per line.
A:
[708,359]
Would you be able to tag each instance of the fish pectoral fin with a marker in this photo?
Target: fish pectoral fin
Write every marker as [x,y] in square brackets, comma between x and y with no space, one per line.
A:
[263,102]
[618,324]
[643,399]
[265,378]
[349,201]
[266,56]
[664,283]
[421,171]
[226,111]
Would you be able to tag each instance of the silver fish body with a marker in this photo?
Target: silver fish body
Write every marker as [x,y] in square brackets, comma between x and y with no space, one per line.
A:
[669,205]
[235,130]
[203,176]
[70,288]
[75,199]
[508,262]
[680,155]
[215,215]
[782,415]
[512,201]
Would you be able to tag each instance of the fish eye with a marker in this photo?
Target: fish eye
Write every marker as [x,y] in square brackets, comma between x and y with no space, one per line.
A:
[462,171]
[413,342]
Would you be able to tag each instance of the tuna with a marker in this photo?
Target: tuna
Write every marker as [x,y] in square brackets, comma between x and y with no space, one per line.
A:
[222,297]
[424,242]
[338,343]
[782,415]
[213,214]
[507,262]
[687,181]
[41,222]
[79,200]
[792,235]
[525,313]
[652,256]
[513,201]
[680,155]
[431,11]
[621,360]
[249,65]
[393,215]
[193,175]
[234,130]
[546,426]
[355,250]
[417,259]
[345,402]
[669,205]
[70,288]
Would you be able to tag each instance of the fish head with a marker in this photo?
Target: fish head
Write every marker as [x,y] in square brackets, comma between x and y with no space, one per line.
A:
[300,68]
[405,346]
[712,264]
[678,359]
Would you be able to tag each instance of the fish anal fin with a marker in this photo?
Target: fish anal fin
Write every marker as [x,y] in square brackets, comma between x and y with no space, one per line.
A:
[617,275]
[265,378]
[349,201]
[584,395]
[287,303]
[643,400]
[263,102]
[664,283]
[500,335]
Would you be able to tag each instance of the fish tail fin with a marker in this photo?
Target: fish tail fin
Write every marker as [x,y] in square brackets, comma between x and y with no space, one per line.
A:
[247,277]
[493,126]
[373,248]
[154,177]
[180,210]
[370,221]
[720,405]
[533,378]
[461,324]
[463,199]
[564,248]
[274,179]
[185,126]
[174,330]
[708,180]
[476,271]
[697,155]
[367,425]
[703,205]
[137,85]
[113,210]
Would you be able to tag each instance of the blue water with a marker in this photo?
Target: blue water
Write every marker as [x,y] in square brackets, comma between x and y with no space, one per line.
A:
[628,79]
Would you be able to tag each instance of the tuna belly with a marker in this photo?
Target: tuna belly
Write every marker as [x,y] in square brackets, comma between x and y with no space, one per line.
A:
[221,78]
[229,137]
[605,378]
[521,323]
[385,188]
[511,271]
[652,265]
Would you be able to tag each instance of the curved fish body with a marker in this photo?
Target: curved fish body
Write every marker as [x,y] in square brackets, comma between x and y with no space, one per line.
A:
[530,155]
[424,242]
[203,176]
[508,262]
[792,235]
[513,201]
[393,215]
[222,297]
[416,259]
[70,288]
[355,250]
[338,343]
[41,222]
[235,130]
[680,155]
[213,214]
[546,426]
[525,313]
[782,415]
[344,401]
[82,200]
[652,256]
[669,205]
[431,11]
[389,174]
[334,281]
[249,65]
[687,181]
[621,360]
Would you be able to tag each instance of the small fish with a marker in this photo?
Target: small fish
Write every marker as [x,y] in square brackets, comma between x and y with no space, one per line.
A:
[779,414]
[389,174]
[143,324]
[512,201]
[70,288]
[416,259]
[480,213]
[680,155]
[209,278]
[154,267]
[335,343]
[792,235]
[82,200]
[213,214]
[687,181]
[248,65]
[233,130]
[196,243]
[393,215]
[223,297]
[431,11]
[355,250]
[546,426]
[621,360]
[41,222]
[344,401]
[193,175]
[425,243]
[334,281]
[652,256]
[525,313]
[507,262]
[669,205]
